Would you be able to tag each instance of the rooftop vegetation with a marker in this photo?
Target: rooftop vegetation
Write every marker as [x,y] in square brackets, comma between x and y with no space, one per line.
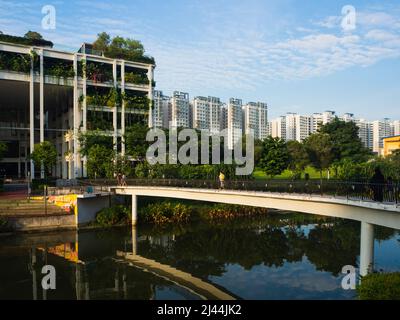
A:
[121,48]
[31,38]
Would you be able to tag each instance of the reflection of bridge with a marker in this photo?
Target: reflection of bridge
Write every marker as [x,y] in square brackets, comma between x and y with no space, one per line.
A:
[367,212]
[183,279]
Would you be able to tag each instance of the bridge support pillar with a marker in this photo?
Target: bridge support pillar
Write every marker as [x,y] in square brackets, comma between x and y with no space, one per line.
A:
[134,239]
[134,209]
[366,248]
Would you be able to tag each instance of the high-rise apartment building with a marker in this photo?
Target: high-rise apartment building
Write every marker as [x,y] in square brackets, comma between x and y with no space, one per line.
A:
[278,128]
[161,108]
[365,132]
[207,113]
[380,130]
[396,127]
[235,119]
[180,110]
[256,119]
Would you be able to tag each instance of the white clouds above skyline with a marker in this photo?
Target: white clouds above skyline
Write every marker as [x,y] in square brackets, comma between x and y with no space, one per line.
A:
[237,52]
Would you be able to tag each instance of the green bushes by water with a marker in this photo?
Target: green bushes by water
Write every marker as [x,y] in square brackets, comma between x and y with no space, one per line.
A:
[380,286]
[166,212]
[115,215]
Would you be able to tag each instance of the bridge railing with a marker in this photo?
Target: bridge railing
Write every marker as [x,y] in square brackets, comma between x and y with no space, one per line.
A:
[366,191]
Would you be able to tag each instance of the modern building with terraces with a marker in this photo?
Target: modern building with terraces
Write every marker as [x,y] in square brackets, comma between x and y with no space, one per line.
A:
[51,95]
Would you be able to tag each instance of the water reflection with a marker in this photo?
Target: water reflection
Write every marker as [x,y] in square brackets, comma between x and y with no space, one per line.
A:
[283,256]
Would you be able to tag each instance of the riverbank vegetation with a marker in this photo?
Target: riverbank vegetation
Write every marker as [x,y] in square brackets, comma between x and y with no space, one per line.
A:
[115,215]
[380,286]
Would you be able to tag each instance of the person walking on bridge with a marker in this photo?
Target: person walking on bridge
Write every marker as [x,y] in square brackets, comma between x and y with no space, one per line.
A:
[377,185]
[221,180]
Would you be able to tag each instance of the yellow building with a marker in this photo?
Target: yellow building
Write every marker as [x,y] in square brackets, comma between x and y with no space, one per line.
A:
[390,144]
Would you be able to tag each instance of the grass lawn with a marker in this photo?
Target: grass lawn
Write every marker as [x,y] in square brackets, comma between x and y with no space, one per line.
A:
[287,174]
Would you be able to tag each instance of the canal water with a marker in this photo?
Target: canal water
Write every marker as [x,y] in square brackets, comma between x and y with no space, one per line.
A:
[279,256]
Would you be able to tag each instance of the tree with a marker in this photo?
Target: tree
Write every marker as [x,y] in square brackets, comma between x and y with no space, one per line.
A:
[44,153]
[298,157]
[3,150]
[121,48]
[102,42]
[345,140]
[91,138]
[33,35]
[135,140]
[275,157]
[100,162]
[320,151]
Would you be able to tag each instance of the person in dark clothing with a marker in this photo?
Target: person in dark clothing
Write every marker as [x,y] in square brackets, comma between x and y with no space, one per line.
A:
[390,188]
[377,182]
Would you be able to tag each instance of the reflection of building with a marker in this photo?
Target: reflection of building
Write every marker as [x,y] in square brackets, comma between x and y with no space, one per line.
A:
[50,95]
[391,144]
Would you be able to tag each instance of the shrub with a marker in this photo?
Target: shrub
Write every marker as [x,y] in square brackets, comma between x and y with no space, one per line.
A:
[380,286]
[165,212]
[118,214]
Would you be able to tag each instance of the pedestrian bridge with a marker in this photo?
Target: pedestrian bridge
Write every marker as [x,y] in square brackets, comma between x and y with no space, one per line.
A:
[382,214]
[369,213]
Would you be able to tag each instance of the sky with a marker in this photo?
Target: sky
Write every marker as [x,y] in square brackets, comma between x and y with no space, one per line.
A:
[299,56]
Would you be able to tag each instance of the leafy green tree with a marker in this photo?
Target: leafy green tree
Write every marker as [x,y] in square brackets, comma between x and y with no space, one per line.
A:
[44,153]
[275,156]
[33,35]
[91,138]
[3,150]
[100,162]
[320,151]
[135,140]
[121,48]
[102,42]
[345,140]
[298,157]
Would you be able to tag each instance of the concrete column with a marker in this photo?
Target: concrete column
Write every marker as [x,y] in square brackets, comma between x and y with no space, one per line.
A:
[115,111]
[366,248]
[134,239]
[32,118]
[78,281]
[123,109]
[134,209]
[150,95]
[84,116]
[116,281]
[41,108]
[33,268]
[76,123]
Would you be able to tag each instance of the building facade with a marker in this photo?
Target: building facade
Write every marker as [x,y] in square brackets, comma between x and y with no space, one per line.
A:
[160,111]
[235,121]
[256,119]
[38,104]
[207,114]
[180,110]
